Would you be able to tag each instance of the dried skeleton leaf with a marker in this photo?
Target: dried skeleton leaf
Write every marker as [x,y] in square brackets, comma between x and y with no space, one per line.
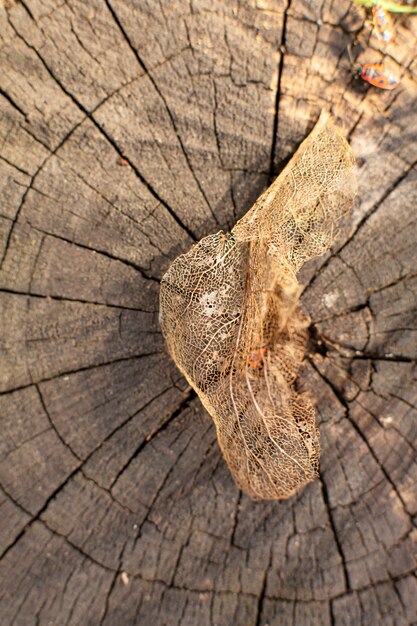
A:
[231,318]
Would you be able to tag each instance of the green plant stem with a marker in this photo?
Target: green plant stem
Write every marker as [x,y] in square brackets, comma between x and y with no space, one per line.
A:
[392,7]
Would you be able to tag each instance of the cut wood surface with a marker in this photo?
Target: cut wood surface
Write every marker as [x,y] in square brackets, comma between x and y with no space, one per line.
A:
[129,129]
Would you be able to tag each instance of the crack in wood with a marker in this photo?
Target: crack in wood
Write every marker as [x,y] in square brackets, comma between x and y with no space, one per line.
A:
[29,187]
[162,97]
[346,577]
[19,169]
[397,397]
[262,594]
[78,468]
[155,497]
[33,294]
[353,354]
[362,222]
[107,598]
[28,11]
[236,519]
[54,428]
[362,436]
[185,402]
[278,91]
[119,210]
[145,274]
[77,371]
[259,598]
[13,103]
[90,115]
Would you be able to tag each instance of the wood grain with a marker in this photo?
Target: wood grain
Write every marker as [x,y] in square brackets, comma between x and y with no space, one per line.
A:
[128,130]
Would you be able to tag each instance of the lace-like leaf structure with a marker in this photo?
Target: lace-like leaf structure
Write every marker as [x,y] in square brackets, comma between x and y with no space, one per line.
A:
[229,311]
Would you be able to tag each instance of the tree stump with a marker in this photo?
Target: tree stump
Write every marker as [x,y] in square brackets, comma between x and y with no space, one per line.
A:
[129,130]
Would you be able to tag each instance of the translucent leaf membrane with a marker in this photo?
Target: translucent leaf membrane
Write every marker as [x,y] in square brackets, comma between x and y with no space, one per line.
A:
[231,319]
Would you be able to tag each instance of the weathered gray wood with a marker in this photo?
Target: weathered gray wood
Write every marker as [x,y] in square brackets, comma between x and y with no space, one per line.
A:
[127,130]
